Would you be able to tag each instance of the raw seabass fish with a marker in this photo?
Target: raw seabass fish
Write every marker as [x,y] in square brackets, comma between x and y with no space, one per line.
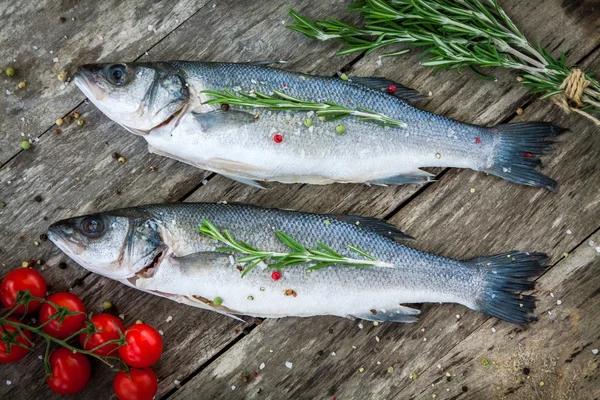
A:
[166,103]
[157,249]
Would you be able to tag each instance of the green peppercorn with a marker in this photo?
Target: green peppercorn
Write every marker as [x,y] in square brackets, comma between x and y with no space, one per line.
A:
[106,304]
[308,122]
[25,145]
[217,301]
[10,71]
[340,129]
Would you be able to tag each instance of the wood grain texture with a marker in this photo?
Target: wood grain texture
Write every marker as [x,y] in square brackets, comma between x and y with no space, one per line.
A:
[206,332]
[74,174]
[445,217]
[33,38]
[552,358]
[411,349]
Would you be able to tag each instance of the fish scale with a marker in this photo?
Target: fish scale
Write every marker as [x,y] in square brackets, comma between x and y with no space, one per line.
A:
[166,103]
[188,268]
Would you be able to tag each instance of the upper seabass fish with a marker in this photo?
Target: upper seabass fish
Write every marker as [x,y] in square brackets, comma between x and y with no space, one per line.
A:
[156,248]
[165,102]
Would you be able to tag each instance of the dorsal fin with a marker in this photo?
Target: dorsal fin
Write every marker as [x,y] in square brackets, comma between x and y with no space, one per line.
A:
[374,225]
[382,85]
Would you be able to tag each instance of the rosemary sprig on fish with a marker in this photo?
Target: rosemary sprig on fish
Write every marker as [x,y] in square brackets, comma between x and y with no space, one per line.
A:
[322,255]
[174,105]
[155,248]
[284,102]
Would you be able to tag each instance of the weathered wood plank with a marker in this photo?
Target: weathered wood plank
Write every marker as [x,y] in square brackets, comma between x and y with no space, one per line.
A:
[462,97]
[550,359]
[33,36]
[74,173]
[519,214]
[206,332]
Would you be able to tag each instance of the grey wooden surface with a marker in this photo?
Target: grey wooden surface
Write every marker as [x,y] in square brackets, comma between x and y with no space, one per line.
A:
[207,353]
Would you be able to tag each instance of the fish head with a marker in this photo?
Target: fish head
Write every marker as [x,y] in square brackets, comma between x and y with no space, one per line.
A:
[117,244]
[138,96]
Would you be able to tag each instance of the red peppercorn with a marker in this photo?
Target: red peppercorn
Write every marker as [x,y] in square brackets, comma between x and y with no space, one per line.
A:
[477,140]
[277,138]
[276,275]
[392,89]
[527,155]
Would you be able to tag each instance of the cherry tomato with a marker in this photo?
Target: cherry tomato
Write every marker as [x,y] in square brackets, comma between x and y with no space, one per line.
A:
[141,384]
[110,327]
[70,371]
[21,279]
[17,350]
[70,324]
[143,348]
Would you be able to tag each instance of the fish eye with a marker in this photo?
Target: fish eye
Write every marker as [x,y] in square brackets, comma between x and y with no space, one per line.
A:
[116,74]
[92,227]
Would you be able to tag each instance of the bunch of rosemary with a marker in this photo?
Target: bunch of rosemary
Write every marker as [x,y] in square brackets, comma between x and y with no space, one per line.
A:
[460,34]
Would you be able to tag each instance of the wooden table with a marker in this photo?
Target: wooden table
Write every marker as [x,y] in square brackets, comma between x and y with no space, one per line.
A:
[456,353]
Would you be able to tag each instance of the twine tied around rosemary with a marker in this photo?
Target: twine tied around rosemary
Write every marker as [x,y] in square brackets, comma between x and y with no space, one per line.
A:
[573,87]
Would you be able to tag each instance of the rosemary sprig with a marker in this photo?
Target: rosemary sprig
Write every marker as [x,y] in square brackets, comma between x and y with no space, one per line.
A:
[459,34]
[322,256]
[284,102]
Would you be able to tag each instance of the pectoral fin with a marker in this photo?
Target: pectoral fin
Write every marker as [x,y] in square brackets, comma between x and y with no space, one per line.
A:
[398,314]
[220,120]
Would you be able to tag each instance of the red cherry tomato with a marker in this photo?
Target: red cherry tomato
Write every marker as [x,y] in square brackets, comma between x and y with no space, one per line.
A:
[17,350]
[70,324]
[21,279]
[143,348]
[141,384]
[70,371]
[110,326]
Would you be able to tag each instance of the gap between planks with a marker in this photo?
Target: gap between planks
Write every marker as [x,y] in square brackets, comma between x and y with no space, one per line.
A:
[85,99]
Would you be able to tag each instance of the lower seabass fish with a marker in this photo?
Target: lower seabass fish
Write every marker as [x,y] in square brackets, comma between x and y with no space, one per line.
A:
[167,103]
[159,249]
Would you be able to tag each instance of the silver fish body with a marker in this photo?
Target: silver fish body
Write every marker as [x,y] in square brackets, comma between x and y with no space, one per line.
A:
[184,265]
[239,143]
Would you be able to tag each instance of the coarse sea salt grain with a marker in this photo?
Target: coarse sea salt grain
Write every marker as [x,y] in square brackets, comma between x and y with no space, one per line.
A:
[261,366]
[360,326]
[161,332]
[122,316]
[333,353]
[559,302]
[177,382]
[595,351]
[169,319]
[493,330]
[569,232]
[289,364]
[232,387]
[8,382]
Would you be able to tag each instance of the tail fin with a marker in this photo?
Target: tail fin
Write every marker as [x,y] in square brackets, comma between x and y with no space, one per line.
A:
[504,277]
[516,155]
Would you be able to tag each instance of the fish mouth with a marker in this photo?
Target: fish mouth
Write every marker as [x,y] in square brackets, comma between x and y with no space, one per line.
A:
[61,238]
[87,83]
